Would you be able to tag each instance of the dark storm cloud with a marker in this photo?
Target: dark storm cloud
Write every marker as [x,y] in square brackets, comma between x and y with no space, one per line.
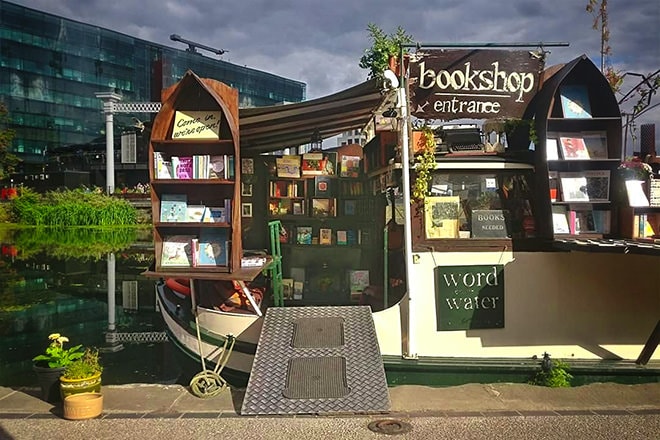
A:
[321,42]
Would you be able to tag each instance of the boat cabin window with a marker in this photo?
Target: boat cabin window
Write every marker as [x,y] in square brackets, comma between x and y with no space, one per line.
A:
[479,204]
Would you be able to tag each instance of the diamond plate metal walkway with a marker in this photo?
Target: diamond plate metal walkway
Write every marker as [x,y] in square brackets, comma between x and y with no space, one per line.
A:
[317,360]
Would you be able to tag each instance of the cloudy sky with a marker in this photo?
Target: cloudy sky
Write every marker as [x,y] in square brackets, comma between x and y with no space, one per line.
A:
[321,42]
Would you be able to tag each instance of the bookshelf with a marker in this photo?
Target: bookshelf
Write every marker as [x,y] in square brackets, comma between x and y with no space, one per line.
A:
[578,124]
[194,160]
[331,236]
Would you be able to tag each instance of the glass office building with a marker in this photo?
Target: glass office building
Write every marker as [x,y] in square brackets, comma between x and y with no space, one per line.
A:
[52,67]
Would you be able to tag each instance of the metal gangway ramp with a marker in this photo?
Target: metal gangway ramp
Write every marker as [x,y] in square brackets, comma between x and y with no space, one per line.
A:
[317,360]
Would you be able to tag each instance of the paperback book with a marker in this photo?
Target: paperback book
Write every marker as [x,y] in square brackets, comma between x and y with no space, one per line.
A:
[212,248]
[177,251]
[173,208]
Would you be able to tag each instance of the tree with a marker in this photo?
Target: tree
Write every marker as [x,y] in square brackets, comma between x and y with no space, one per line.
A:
[644,90]
[8,161]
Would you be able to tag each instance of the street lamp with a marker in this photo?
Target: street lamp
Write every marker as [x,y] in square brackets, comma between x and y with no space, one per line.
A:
[109,100]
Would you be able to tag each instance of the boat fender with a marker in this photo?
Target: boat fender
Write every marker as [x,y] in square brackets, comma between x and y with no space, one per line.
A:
[179,285]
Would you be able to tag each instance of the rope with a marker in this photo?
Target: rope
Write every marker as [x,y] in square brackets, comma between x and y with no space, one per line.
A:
[207,383]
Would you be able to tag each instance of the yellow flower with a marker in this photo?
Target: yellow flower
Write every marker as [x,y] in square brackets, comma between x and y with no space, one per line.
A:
[54,336]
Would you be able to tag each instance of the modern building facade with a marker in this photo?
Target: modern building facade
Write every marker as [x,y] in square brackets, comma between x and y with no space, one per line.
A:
[52,67]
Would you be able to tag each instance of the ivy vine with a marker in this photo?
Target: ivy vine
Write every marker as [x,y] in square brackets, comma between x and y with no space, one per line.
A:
[424,164]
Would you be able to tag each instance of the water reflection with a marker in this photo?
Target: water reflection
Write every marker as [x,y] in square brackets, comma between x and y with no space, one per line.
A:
[84,283]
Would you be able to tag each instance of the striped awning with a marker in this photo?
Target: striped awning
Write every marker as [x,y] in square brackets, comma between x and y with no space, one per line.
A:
[265,129]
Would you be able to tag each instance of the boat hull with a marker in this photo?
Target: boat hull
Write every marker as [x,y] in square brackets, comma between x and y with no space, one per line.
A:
[214,329]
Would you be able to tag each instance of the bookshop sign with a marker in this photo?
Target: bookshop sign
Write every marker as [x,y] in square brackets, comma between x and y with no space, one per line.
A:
[469,297]
[478,84]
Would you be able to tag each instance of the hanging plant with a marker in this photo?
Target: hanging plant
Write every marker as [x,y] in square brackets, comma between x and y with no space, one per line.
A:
[424,165]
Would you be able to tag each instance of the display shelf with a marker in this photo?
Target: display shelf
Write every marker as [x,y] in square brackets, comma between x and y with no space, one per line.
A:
[194,159]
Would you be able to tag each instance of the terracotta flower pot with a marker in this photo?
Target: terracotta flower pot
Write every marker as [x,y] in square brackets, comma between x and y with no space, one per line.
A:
[83,406]
[49,382]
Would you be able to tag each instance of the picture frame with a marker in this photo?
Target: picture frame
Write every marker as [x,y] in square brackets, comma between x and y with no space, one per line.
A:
[246,189]
[247,166]
[575,101]
[246,209]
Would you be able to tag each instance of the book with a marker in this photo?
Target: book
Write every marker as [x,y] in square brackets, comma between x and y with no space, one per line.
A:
[298,287]
[352,237]
[441,216]
[322,186]
[162,167]
[573,187]
[573,148]
[298,207]
[584,221]
[589,185]
[298,274]
[349,166]
[325,236]
[329,163]
[358,280]
[601,221]
[350,207]
[287,288]
[288,166]
[636,195]
[217,167]
[177,251]
[304,235]
[551,151]
[182,167]
[560,219]
[211,248]
[323,207]
[342,237]
[312,164]
[215,214]
[173,207]
[195,213]
[596,144]
[575,101]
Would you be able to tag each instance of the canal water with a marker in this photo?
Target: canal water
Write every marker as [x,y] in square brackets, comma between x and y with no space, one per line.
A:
[86,285]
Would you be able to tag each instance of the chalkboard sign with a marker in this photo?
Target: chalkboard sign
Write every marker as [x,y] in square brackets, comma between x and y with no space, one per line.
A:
[469,297]
[490,223]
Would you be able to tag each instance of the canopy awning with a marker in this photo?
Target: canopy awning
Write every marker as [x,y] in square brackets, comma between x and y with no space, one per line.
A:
[265,129]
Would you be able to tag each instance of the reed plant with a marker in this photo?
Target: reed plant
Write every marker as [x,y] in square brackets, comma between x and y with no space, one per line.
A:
[71,208]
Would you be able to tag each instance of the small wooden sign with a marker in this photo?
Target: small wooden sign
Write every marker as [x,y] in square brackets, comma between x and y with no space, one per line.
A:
[196,125]
[490,223]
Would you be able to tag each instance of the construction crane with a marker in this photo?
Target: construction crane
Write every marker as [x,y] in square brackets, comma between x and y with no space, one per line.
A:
[192,45]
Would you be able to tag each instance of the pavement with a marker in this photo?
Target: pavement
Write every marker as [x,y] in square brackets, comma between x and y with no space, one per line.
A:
[175,401]
[501,411]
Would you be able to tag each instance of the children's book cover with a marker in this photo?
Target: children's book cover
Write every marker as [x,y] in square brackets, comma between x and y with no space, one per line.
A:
[212,248]
[177,251]
[173,208]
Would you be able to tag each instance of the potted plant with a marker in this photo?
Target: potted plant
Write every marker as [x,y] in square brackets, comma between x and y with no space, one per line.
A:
[82,375]
[50,365]
[383,48]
